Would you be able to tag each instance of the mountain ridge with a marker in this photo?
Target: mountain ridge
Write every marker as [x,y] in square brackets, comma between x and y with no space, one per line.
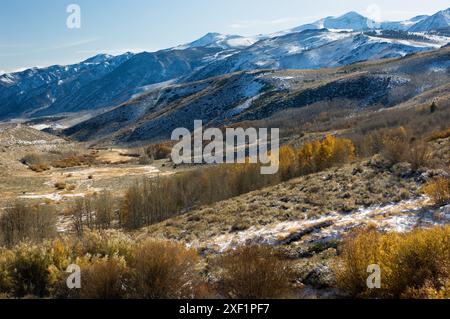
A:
[105,81]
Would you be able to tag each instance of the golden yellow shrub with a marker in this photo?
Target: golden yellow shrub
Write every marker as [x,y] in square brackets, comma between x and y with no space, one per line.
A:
[320,155]
[409,262]
[438,189]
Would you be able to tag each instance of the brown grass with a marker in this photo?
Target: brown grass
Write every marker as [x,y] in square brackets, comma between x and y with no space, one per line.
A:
[439,135]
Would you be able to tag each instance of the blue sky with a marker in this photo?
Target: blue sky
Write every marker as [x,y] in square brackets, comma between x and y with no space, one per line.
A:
[34,32]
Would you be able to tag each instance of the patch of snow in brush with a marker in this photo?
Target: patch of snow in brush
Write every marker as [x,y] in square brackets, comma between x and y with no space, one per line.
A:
[52,196]
[282,78]
[151,169]
[54,126]
[37,142]
[403,216]
[244,106]
[437,69]
[40,127]
[410,43]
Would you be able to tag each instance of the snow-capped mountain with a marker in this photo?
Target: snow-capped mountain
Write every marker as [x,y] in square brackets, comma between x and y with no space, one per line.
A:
[351,21]
[255,95]
[38,88]
[313,49]
[224,41]
[354,21]
[104,81]
[402,25]
[438,21]
[100,81]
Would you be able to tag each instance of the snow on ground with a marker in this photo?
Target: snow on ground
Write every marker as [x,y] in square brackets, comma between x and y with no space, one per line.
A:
[83,173]
[54,126]
[398,217]
[52,196]
[242,107]
[241,41]
[412,43]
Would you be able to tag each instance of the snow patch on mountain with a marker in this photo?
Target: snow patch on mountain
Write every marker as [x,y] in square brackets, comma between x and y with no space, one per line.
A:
[217,40]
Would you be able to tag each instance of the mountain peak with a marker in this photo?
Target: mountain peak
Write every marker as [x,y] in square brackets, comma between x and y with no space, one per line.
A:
[439,20]
[350,20]
[208,39]
[99,58]
[352,14]
[219,40]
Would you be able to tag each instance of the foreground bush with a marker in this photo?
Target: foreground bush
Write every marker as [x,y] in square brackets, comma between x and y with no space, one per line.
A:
[439,190]
[112,267]
[164,270]
[254,272]
[416,264]
[30,271]
[104,278]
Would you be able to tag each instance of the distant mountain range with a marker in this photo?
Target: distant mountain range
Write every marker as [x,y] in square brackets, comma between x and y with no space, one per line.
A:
[103,82]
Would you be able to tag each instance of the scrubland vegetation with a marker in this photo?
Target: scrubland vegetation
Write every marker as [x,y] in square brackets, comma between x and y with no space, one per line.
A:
[413,265]
[154,200]
[117,264]
[255,272]
[40,162]
[439,190]
[114,267]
